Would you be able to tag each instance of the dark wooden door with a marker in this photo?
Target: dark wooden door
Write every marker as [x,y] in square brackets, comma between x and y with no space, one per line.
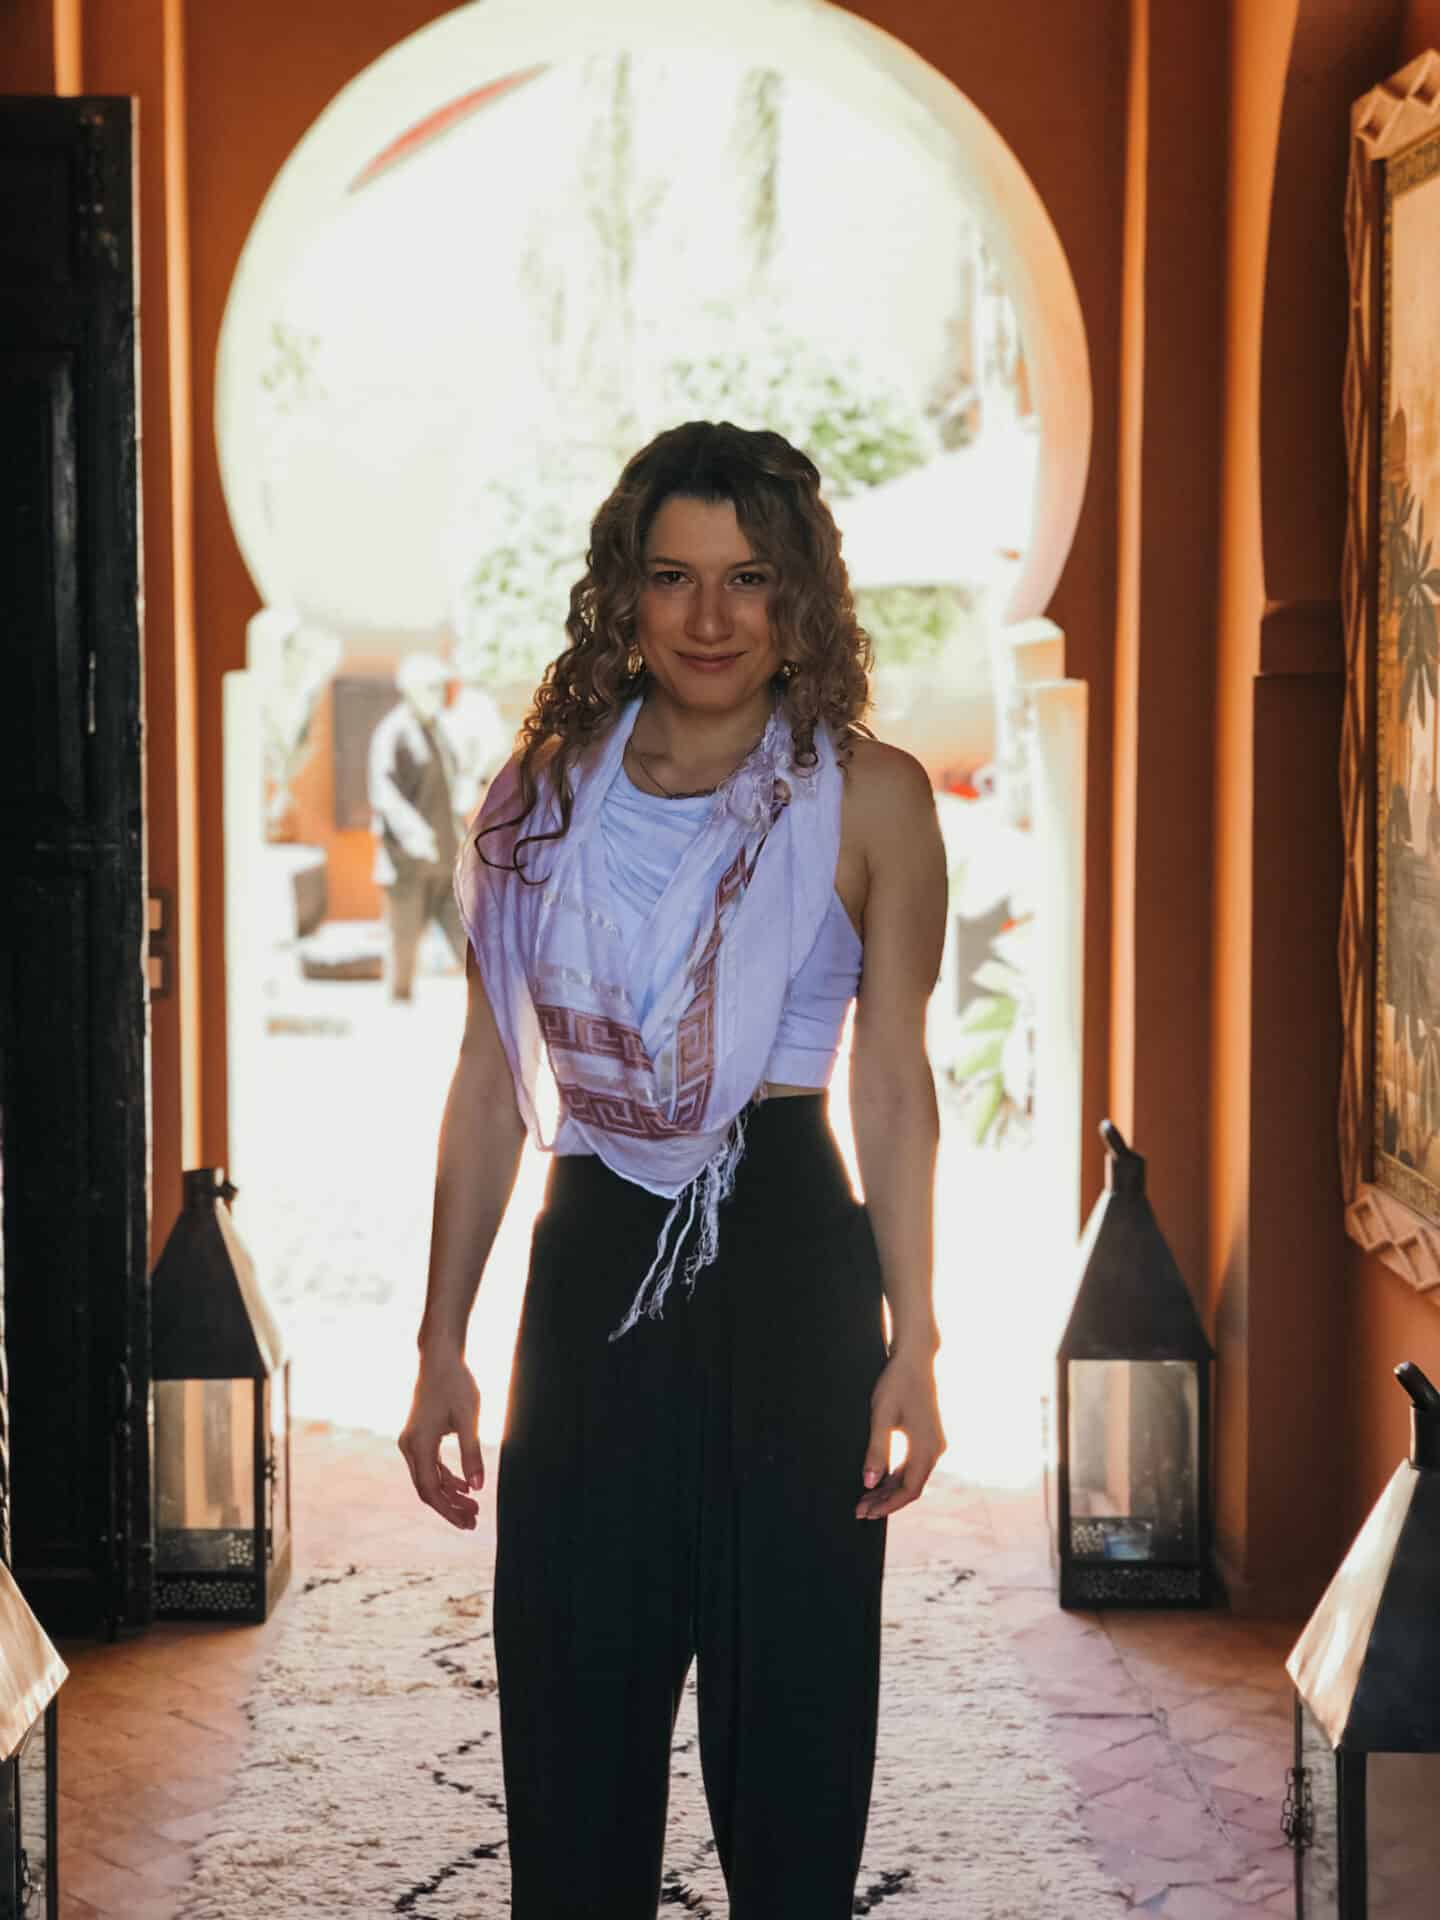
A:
[73,1092]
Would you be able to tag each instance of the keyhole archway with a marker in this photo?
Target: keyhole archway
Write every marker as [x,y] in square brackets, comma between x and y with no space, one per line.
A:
[524,238]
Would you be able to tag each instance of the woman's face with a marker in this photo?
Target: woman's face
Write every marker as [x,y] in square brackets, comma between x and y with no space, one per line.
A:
[703,619]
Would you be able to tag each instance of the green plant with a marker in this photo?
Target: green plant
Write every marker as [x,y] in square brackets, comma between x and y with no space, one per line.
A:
[992,1073]
[1414,586]
[857,428]
[910,625]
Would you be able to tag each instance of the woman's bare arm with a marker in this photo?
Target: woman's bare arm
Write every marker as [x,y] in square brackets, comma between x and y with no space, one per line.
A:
[480,1141]
[892,1097]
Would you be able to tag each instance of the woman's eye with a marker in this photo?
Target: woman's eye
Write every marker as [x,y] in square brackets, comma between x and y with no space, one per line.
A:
[749,579]
[665,577]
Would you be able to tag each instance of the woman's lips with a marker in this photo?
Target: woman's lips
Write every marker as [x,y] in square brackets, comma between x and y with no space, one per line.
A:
[709,662]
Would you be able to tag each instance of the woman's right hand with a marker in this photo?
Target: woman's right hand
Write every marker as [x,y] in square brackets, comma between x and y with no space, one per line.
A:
[446,1401]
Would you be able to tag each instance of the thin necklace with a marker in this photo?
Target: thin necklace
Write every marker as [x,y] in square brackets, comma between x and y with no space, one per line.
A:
[692,793]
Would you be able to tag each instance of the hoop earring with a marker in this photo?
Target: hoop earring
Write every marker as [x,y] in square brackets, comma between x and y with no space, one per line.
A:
[634,663]
[788,671]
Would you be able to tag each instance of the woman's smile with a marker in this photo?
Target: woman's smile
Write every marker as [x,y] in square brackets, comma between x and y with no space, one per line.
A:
[709,662]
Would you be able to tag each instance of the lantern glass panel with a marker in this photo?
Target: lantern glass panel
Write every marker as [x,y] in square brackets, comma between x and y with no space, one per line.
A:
[1320,1857]
[1402,1851]
[204,1476]
[1134,1452]
[34,1759]
[277,1530]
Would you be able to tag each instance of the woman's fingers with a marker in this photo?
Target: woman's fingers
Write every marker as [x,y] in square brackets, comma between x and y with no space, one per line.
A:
[898,1489]
[436,1485]
[877,1453]
[446,1402]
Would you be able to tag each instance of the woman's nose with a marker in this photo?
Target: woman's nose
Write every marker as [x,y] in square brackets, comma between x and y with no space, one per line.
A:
[709,614]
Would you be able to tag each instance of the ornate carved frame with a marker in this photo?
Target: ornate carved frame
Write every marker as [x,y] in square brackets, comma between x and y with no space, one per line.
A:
[1383,123]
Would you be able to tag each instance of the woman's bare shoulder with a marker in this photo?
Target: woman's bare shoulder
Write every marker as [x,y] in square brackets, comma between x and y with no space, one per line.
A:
[886,781]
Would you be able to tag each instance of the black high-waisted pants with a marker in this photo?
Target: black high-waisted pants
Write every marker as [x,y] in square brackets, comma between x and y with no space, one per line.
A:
[689,1491]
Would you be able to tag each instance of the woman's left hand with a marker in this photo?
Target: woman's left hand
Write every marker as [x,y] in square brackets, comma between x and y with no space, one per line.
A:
[904,1400]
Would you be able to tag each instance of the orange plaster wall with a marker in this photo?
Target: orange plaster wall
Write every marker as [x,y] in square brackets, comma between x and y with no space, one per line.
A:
[27,35]
[1421,29]
[1179,481]
[1278,1252]
[124,50]
[351,891]
[1262,32]
[1388,1323]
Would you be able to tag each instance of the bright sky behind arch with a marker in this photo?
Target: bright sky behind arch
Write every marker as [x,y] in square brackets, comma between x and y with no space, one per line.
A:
[425,362]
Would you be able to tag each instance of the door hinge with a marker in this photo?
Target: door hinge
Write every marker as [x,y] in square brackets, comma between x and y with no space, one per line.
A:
[90,693]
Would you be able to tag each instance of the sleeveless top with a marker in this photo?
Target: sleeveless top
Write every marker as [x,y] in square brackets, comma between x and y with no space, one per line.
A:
[645,837]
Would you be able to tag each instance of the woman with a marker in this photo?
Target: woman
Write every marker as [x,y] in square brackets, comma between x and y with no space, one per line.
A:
[668,894]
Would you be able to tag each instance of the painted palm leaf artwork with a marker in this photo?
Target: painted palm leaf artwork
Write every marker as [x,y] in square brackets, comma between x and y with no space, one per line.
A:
[1406,1109]
[1414,586]
[1410,1089]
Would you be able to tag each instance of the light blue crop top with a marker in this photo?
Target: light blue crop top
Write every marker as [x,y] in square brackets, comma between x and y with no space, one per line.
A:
[645,836]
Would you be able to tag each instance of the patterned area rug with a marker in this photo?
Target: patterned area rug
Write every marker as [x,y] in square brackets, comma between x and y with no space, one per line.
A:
[373,1782]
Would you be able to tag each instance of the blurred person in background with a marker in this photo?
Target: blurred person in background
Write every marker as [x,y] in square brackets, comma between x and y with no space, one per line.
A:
[412,774]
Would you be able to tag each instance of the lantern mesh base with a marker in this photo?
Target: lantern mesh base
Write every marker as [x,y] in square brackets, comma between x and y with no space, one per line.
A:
[1119,1584]
[188,1595]
[219,1596]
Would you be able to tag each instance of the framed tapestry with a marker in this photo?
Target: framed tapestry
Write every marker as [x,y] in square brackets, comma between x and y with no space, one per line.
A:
[1390,754]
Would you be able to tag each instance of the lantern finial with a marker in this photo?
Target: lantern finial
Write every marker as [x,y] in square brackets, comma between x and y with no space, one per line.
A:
[1424,1417]
[1124,1168]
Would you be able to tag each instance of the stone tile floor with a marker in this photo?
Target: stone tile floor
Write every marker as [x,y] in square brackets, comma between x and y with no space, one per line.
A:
[1174,1726]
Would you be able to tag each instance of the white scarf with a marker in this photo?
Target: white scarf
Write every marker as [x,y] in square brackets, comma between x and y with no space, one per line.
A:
[661,1102]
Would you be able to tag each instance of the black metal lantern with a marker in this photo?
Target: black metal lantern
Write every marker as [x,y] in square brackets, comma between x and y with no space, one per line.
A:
[222,1420]
[1364,1795]
[1132,1509]
[31,1674]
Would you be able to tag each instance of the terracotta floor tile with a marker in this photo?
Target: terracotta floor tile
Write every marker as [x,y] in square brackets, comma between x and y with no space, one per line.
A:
[1234,1749]
[125,1843]
[1261,1815]
[1179,1781]
[96,1788]
[1201,1903]
[190,1828]
[1263,1775]
[111,1888]
[1074,1742]
[1135,1759]
[1093,1783]
[1200,1719]
[197,1794]
[1145,1878]
[171,1868]
[150,1806]
[87,1735]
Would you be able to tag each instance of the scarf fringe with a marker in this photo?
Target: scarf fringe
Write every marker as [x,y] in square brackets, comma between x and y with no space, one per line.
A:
[714,1183]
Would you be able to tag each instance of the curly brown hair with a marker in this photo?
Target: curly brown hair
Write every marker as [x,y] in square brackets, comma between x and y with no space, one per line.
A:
[775,491]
